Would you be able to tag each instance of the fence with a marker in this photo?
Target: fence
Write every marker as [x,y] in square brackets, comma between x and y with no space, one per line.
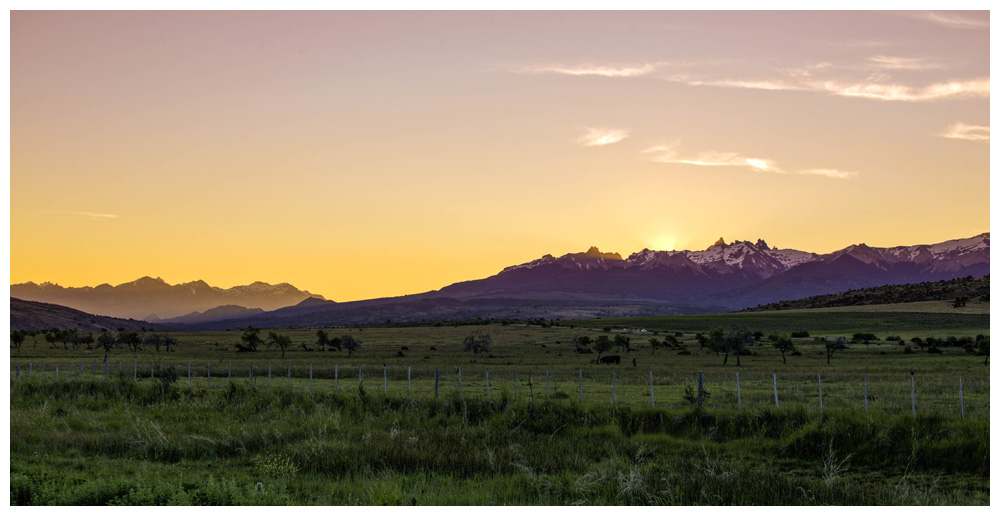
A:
[962,396]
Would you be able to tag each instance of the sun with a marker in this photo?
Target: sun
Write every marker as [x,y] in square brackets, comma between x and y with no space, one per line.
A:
[664,242]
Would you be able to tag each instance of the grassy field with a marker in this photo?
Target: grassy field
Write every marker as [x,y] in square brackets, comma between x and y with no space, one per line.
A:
[146,435]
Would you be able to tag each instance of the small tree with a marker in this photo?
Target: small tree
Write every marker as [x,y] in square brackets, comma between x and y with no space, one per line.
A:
[106,341]
[152,340]
[129,339]
[282,342]
[602,345]
[833,346]
[322,340]
[250,339]
[784,344]
[735,342]
[623,342]
[87,339]
[653,344]
[582,344]
[16,338]
[350,343]
[477,342]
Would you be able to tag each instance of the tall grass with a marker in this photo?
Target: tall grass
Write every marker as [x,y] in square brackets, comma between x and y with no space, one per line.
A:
[150,443]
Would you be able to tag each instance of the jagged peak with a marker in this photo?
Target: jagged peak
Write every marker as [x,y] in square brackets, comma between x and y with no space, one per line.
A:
[594,251]
[719,242]
[762,244]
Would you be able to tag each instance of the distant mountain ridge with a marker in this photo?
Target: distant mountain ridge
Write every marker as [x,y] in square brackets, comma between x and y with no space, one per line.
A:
[972,289]
[736,276]
[34,316]
[155,299]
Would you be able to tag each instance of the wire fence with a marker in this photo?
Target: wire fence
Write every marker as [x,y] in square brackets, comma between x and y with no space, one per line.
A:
[961,396]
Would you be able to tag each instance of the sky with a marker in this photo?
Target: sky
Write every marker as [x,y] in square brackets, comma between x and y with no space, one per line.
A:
[368,154]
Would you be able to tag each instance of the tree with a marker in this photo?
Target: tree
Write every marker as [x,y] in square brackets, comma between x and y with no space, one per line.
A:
[350,343]
[152,340]
[322,340]
[87,339]
[983,347]
[670,341]
[582,344]
[653,344]
[784,344]
[16,338]
[960,301]
[602,345]
[69,337]
[250,339]
[623,342]
[735,342]
[282,342]
[832,346]
[716,340]
[130,339]
[477,342]
[106,341]
[52,336]
[702,340]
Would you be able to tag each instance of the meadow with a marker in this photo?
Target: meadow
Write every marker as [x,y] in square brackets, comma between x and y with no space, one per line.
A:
[568,431]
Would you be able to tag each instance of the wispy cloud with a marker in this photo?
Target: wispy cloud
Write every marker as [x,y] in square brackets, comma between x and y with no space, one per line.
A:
[951,19]
[669,154]
[902,63]
[92,215]
[596,136]
[960,131]
[632,70]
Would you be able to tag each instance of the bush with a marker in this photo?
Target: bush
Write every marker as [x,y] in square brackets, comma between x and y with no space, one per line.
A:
[800,334]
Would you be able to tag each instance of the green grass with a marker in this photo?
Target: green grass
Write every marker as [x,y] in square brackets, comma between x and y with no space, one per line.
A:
[85,439]
[126,443]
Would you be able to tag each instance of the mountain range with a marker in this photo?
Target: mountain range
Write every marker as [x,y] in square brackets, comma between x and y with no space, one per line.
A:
[152,299]
[721,278]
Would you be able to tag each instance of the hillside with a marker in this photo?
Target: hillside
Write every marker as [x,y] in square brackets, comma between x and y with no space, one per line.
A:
[33,316]
[974,289]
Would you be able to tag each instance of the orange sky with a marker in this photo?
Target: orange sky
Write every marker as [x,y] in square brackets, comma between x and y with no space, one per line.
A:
[360,155]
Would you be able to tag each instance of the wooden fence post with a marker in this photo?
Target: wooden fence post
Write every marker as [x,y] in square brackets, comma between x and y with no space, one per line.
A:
[487,383]
[94,367]
[459,382]
[385,385]
[819,382]
[546,384]
[57,371]
[208,375]
[17,372]
[774,376]
[189,373]
[229,375]
[701,388]
[652,400]
[310,376]
[580,371]
[739,398]
[614,389]
[152,369]
[961,400]
[135,370]
[43,372]
[515,384]
[251,372]
[269,374]
[289,375]
[408,391]
[336,377]
[865,381]
[361,377]
[30,370]
[436,382]
[913,395]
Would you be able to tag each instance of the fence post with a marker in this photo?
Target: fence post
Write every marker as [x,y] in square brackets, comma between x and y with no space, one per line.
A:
[310,376]
[57,371]
[43,372]
[251,372]
[94,367]
[913,395]
[865,380]
[515,384]
[652,400]
[487,384]
[408,392]
[135,370]
[614,389]
[361,377]
[739,398]
[17,372]
[119,368]
[546,384]
[152,369]
[336,377]
[289,375]
[580,371]
[106,367]
[385,385]
[435,382]
[268,374]
[961,401]
[701,388]
[229,375]
[774,376]
[30,370]
[819,382]
[208,375]
[189,373]
[459,382]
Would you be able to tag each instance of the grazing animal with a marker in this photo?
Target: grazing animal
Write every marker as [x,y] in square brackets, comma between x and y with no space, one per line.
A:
[610,359]
[433,348]
[404,348]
